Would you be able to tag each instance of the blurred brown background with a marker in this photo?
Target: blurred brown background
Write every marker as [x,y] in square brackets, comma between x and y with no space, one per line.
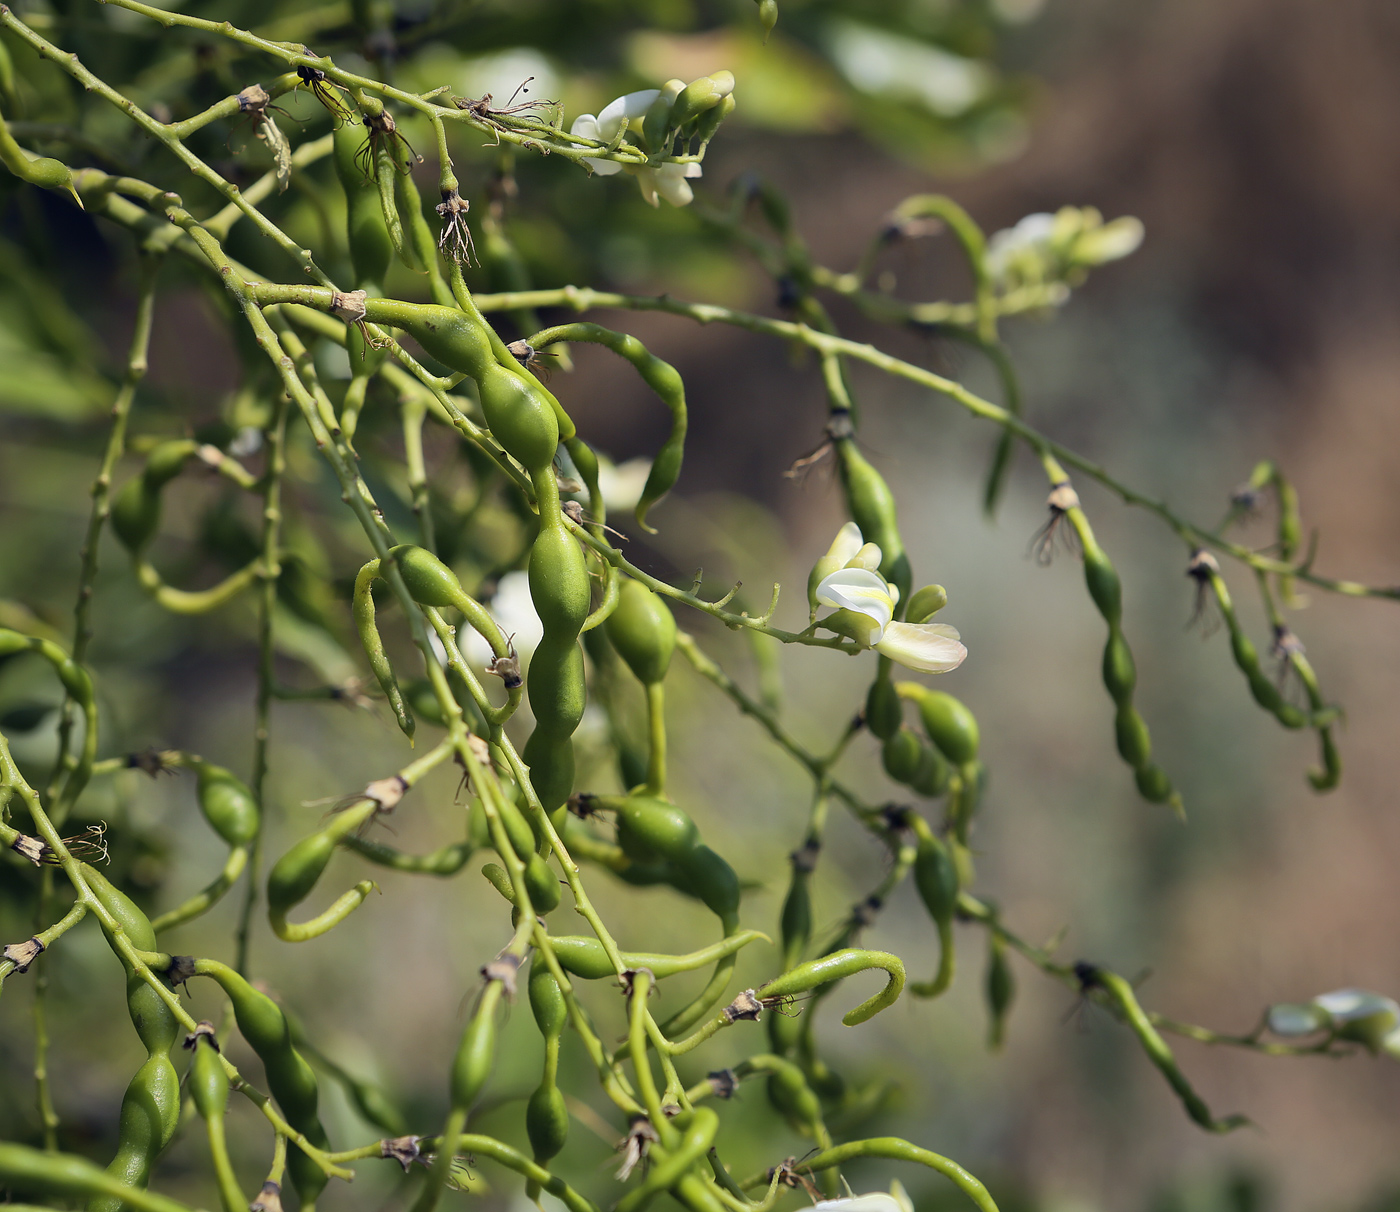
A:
[1257,140]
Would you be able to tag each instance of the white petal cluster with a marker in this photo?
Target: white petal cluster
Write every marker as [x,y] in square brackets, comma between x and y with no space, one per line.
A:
[668,181]
[1366,1018]
[868,601]
[1057,250]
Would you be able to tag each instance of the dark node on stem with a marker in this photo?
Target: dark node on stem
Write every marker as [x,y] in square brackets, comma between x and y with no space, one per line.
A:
[628,980]
[1087,975]
[349,305]
[403,1149]
[269,1199]
[180,970]
[383,128]
[746,1007]
[805,858]
[21,955]
[839,426]
[723,1082]
[896,817]
[254,100]
[1061,500]
[582,806]
[634,1146]
[788,294]
[503,968]
[573,510]
[1202,569]
[206,1029]
[153,761]
[455,239]
[864,914]
[482,108]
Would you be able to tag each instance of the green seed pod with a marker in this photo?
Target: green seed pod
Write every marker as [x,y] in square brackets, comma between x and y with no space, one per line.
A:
[167,460]
[1153,784]
[1000,990]
[650,829]
[934,773]
[542,885]
[707,877]
[1134,743]
[472,1065]
[795,924]
[785,1032]
[557,693]
[547,1001]
[643,631]
[936,877]
[446,334]
[520,418]
[294,875]
[901,756]
[1119,672]
[559,582]
[228,805]
[767,16]
[926,603]
[208,1082]
[950,726]
[883,711]
[547,1121]
[658,122]
[150,1114]
[872,507]
[136,513]
[429,581]
[1104,586]
[522,838]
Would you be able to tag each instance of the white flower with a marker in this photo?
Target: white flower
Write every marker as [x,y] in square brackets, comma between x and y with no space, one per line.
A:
[514,610]
[1030,238]
[1358,1015]
[895,1200]
[669,181]
[867,601]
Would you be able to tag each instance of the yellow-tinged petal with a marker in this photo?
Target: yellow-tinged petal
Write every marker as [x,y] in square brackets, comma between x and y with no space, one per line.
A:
[923,647]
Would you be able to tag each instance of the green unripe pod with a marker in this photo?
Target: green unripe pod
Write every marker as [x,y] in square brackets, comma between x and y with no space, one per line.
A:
[167,460]
[522,838]
[901,756]
[1000,990]
[1153,784]
[557,696]
[1104,586]
[294,875]
[643,631]
[547,1121]
[519,417]
[931,779]
[149,1116]
[559,584]
[228,805]
[472,1065]
[547,1001]
[936,877]
[649,829]
[883,711]
[926,603]
[135,924]
[430,582]
[785,1033]
[795,923]
[542,885]
[767,16]
[950,726]
[711,880]
[1134,742]
[136,514]
[1119,671]
[208,1082]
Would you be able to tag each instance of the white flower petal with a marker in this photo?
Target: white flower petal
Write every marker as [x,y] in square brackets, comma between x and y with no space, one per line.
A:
[1348,1005]
[924,647]
[862,591]
[848,541]
[693,170]
[624,109]
[646,182]
[1293,1019]
[672,185]
[585,126]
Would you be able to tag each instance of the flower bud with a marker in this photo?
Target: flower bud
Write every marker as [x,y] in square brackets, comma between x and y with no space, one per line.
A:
[709,121]
[660,116]
[926,603]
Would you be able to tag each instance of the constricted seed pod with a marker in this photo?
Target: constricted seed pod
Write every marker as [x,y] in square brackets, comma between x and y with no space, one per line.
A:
[883,711]
[901,756]
[950,726]
[643,631]
[228,805]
